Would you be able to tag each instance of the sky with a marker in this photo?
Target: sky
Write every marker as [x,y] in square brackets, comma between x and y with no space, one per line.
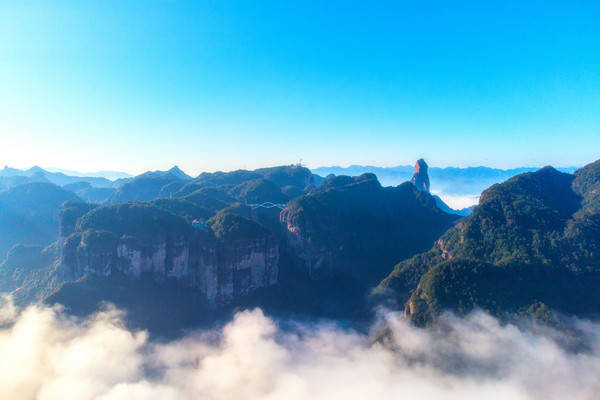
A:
[221,85]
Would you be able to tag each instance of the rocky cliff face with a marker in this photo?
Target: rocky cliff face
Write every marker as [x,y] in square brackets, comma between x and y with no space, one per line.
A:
[229,271]
[221,270]
[421,177]
[316,256]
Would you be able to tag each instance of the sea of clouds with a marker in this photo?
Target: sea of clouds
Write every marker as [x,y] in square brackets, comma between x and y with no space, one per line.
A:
[48,355]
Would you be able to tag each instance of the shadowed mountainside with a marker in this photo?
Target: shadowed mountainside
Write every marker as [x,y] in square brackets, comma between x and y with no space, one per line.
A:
[530,245]
[29,214]
[534,238]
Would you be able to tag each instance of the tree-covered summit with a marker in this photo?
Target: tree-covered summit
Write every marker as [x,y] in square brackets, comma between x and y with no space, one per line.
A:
[533,238]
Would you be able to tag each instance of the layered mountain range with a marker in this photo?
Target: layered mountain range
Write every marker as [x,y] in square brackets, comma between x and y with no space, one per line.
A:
[452,181]
[173,249]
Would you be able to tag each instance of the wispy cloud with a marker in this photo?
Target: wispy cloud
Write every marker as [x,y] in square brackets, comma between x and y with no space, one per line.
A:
[47,355]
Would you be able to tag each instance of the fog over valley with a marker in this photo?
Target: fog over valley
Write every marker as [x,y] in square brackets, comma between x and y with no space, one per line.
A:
[53,356]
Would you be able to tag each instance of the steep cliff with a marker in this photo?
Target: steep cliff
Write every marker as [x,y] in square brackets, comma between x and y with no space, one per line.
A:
[142,241]
[421,177]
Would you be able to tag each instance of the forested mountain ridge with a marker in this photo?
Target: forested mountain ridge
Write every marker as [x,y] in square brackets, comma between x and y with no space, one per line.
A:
[357,226]
[275,238]
[533,239]
[448,180]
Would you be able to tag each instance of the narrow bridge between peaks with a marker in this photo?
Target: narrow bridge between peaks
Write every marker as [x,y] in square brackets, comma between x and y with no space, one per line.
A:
[267,204]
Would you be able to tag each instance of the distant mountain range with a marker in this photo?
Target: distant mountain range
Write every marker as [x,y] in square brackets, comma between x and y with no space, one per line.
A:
[174,250]
[460,187]
[451,180]
[110,175]
[29,214]
[11,177]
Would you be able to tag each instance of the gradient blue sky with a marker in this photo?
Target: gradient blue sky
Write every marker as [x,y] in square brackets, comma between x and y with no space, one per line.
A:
[136,85]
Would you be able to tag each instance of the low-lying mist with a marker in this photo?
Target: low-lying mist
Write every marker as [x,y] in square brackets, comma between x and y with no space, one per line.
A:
[48,355]
[456,201]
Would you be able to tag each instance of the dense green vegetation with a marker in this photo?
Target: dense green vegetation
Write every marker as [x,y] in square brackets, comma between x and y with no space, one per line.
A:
[258,191]
[147,187]
[358,228]
[462,285]
[289,176]
[530,247]
[229,226]
[141,220]
[95,241]
[184,208]
[29,272]
[70,212]
[293,179]
[587,185]
[210,198]
[534,238]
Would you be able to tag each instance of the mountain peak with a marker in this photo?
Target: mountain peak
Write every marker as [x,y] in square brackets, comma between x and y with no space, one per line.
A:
[36,169]
[173,172]
[176,171]
[420,178]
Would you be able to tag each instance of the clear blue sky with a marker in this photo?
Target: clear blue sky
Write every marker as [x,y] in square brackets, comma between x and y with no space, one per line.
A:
[136,85]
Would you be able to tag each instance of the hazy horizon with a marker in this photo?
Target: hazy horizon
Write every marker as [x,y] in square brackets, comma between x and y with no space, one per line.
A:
[193,173]
[457,192]
[226,85]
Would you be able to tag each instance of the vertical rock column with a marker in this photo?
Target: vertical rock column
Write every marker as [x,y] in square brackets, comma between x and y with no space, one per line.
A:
[421,179]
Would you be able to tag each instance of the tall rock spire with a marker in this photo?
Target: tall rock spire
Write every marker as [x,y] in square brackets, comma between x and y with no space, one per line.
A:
[421,179]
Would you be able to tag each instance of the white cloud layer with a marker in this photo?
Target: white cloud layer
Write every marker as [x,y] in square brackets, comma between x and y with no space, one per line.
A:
[49,356]
[458,202]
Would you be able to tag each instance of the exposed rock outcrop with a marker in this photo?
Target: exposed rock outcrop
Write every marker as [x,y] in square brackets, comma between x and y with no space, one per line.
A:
[221,269]
[421,178]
